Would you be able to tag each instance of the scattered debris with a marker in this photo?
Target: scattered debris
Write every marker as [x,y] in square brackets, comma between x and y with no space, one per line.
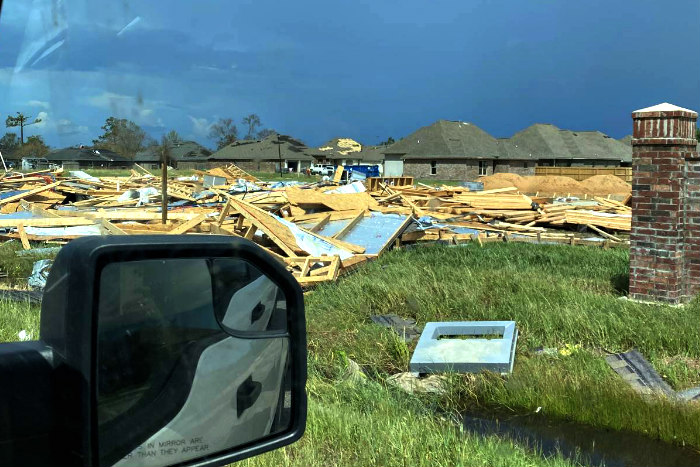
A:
[40,272]
[466,347]
[319,230]
[638,373]
[413,383]
[405,328]
[353,373]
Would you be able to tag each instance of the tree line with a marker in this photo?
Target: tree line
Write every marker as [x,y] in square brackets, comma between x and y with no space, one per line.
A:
[125,137]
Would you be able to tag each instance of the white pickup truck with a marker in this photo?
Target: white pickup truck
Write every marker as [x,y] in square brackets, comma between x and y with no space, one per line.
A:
[322,169]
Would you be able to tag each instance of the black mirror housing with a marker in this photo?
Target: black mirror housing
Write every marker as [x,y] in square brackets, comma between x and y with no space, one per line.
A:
[69,328]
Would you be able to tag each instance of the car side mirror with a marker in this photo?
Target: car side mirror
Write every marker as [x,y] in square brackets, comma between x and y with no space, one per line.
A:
[164,350]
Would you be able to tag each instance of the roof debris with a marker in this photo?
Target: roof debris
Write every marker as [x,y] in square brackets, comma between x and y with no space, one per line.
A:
[318,230]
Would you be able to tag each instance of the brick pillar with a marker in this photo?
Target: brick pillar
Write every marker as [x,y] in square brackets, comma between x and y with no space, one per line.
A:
[665,237]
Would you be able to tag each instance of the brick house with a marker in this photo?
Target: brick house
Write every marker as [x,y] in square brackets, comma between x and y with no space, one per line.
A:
[84,157]
[554,147]
[454,150]
[462,151]
[265,155]
[183,155]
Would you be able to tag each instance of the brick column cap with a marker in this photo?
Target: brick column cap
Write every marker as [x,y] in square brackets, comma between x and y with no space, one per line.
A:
[664,110]
[664,125]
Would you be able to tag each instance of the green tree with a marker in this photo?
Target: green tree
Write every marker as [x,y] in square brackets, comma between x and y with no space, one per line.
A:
[265,132]
[9,142]
[253,121]
[389,141]
[172,138]
[20,121]
[122,136]
[224,132]
[33,147]
[697,133]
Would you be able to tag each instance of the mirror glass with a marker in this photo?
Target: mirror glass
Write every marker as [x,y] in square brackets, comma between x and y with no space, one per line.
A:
[192,359]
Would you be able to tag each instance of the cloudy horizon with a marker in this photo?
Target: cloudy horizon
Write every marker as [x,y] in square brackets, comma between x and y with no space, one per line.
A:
[364,70]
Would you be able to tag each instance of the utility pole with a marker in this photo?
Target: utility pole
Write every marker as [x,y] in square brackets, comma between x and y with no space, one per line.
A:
[279,153]
[164,181]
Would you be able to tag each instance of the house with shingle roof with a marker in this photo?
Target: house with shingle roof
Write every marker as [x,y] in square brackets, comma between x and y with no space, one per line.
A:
[555,147]
[266,155]
[85,157]
[463,151]
[182,155]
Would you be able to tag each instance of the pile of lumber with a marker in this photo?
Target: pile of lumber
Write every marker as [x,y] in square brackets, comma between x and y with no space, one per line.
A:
[318,233]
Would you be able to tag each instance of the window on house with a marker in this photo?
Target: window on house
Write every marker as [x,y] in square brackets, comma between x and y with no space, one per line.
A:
[433,167]
[483,167]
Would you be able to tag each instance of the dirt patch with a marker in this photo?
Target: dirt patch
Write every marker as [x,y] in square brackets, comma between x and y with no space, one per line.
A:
[599,185]
[606,184]
[503,180]
[550,184]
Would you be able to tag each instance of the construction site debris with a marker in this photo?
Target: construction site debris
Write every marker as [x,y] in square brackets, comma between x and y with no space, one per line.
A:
[318,230]
[40,272]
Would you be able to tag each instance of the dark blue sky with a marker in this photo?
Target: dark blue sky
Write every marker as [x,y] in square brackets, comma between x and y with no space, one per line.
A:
[360,69]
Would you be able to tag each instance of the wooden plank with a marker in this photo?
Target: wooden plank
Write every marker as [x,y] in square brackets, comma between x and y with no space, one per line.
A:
[320,224]
[250,232]
[28,193]
[184,227]
[277,232]
[46,222]
[603,233]
[396,233]
[351,225]
[23,237]
[224,213]
[111,228]
[338,174]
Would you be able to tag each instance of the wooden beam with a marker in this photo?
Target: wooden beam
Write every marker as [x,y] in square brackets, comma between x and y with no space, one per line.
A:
[46,222]
[184,227]
[28,193]
[603,233]
[351,225]
[320,224]
[250,232]
[111,228]
[224,213]
[23,237]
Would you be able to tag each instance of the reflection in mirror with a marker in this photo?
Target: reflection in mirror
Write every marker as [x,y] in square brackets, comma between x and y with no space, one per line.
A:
[192,359]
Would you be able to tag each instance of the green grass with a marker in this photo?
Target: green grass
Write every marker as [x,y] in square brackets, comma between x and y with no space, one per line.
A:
[18,268]
[16,317]
[563,297]
[366,424]
[558,295]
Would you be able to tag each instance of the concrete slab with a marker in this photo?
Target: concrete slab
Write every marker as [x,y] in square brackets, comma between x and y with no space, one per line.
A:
[466,347]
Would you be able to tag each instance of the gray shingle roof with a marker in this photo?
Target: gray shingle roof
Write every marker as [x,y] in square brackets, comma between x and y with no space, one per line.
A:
[266,149]
[545,141]
[459,140]
[85,155]
[446,140]
[180,151]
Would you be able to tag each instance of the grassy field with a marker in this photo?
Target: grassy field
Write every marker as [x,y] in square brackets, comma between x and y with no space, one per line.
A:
[562,297]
